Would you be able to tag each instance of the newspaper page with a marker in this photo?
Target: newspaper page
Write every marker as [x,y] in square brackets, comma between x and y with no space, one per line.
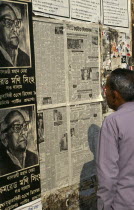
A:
[54,159]
[116,53]
[52,7]
[85,122]
[115,13]
[116,49]
[88,10]
[83,62]
[50,62]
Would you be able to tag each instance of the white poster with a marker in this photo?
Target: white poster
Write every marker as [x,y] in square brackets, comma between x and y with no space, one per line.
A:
[88,10]
[52,7]
[32,205]
[115,12]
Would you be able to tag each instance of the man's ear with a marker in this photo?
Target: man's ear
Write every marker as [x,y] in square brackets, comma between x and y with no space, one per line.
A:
[118,99]
[116,94]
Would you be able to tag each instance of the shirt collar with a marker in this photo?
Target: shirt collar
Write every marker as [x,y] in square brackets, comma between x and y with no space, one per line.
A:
[127,105]
[15,160]
[7,56]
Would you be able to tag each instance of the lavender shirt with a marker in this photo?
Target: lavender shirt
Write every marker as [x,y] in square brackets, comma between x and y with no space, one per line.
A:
[115,160]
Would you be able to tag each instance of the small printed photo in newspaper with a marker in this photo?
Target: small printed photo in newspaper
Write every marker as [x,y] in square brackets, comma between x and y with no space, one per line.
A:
[40,127]
[86,73]
[59,30]
[57,116]
[75,44]
[64,142]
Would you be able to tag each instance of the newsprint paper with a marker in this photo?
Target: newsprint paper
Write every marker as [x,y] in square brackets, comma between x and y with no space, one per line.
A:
[69,102]
[52,7]
[83,62]
[115,13]
[88,10]
[67,60]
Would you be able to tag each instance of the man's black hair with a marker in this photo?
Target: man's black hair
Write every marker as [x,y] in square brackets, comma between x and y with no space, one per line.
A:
[122,80]
[3,6]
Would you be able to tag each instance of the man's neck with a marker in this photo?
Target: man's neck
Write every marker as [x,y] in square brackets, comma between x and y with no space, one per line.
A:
[20,155]
[11,52]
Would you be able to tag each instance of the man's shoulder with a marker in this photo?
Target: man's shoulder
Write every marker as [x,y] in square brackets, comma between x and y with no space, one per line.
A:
[23,58]
[111,119]
[3,61]
[21,52]
[31,158]
[124,111]
[111,116]
[30,153]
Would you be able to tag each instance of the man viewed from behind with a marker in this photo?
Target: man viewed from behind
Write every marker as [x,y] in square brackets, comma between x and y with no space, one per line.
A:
[115,155]
[10,25]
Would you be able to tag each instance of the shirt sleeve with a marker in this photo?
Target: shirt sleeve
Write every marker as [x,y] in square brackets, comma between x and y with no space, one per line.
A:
[107,164]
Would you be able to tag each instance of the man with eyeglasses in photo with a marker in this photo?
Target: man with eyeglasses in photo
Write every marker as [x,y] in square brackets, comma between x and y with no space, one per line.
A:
[14,154]
[10,53]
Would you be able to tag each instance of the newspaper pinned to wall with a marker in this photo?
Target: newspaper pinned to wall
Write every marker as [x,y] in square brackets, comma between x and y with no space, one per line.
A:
[50,62]
[68,64]
[115,13]
[116,48]
[115,53]
[85,122]
[68,95]
[85,10]
[83,62]
[54,153]
[79,10]
[51,7]
[68,152]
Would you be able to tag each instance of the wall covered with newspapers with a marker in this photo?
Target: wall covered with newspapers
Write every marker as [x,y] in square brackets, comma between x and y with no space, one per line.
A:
[77,44]
[68,98]
[19,162]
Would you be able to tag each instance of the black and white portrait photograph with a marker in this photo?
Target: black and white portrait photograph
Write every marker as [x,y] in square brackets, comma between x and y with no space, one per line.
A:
[75,44]
[64,142]
[86,74]
[47,100]
[18,143]
[57,116]
[40,127]
[95,40]
[14,35]
[72,132]
[59,30]
[95,74]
